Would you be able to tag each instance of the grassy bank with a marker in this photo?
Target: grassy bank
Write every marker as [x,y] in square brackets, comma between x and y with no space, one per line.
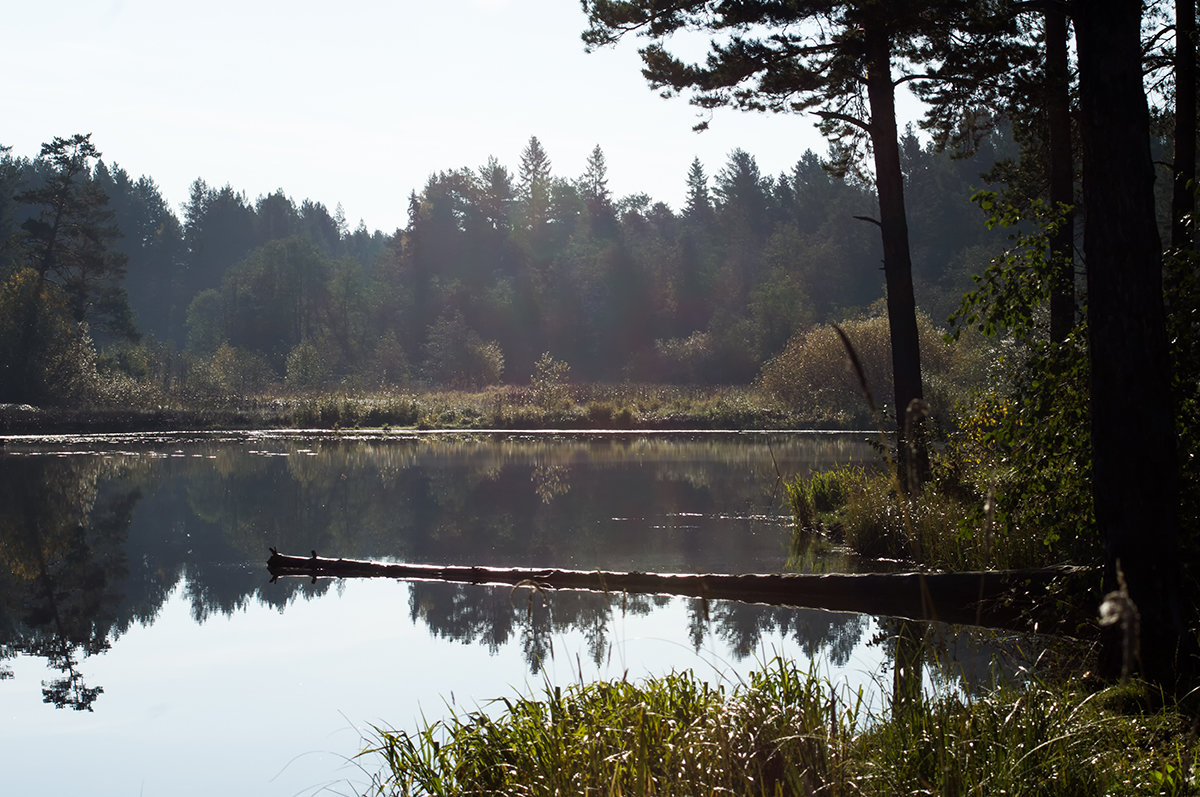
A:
[626,406]
[788,732]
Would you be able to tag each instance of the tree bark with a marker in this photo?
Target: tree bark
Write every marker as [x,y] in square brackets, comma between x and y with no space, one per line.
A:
[1135,479]
[1062,173]
[897,260]
[1183,192]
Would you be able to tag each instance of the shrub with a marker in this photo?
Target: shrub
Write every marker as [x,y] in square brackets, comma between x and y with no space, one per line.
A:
[389,361]
[230,371]
[458,357]
[814,372]
[550,383]
[306,367]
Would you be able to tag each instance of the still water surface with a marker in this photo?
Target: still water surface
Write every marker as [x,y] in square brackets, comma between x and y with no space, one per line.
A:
[143,650]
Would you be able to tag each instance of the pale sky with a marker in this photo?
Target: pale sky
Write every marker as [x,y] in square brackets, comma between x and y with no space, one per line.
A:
[355,101]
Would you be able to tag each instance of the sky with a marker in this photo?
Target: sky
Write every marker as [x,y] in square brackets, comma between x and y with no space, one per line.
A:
[356,102]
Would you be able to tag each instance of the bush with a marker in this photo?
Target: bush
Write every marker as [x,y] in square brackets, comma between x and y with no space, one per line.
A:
[230,371]
[458,357]
[550,383]
[389,361]
[306,367]
[814,372]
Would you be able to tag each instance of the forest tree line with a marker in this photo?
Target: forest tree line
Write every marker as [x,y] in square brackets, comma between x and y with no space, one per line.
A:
[493,268]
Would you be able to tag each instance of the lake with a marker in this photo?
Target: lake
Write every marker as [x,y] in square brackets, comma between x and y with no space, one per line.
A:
[144,650]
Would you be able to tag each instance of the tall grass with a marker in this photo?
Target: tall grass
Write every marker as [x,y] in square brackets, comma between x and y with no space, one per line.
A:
[951,529]
[788,732]
[783,732]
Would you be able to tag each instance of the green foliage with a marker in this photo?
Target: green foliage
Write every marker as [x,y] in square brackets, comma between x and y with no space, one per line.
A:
[229,372]
[814,497]
[787,732]
[667,736]
[624,289]
[949,525]
[70,239]
[45,356]
[458,357]
[1026,440]
[1010,291]
[685,361]
[1033,450]
[799,499]
[205,323]
[1037,740]
[551,383]
[389,361]
[274,299]
[306,367]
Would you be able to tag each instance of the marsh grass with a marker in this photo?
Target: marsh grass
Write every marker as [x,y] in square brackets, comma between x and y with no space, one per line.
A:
[788,732]
[583,406]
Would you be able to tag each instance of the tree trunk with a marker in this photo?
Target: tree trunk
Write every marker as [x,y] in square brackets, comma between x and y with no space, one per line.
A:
[897,262]
[1062,174]
[1009,599]
[1135,480]
[1183,191]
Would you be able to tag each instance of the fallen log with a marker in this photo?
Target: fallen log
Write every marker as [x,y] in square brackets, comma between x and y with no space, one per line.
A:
[1008,599]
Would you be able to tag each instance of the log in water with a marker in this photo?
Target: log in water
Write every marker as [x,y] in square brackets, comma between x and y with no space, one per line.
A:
[995,598]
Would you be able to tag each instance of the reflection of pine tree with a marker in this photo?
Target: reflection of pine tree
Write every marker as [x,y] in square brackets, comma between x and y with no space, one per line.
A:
[62,538]
[466,614]
[834,635]
[698,622]
[741,625]
[536,633]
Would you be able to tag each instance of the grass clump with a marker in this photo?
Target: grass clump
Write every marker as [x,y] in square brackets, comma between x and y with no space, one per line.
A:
[950,524]
[788,732]
[1040,740]
[781,733]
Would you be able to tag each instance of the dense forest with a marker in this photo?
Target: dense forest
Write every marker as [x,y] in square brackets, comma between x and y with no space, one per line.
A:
[493,268]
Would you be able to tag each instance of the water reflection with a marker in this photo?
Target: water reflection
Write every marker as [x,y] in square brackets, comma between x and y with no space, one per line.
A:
[62,525]
[96,534]
[492,616]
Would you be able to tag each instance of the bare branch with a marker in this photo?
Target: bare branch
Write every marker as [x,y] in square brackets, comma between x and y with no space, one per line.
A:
[841,117]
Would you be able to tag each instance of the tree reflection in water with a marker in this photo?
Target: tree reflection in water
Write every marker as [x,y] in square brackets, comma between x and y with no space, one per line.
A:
[93,541]
[62,525]
[472,614]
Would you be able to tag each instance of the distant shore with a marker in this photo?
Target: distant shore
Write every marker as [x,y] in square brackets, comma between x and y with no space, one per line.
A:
[619,408]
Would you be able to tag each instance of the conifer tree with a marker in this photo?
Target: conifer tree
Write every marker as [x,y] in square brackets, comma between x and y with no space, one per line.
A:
[698,207]
[533,183]
[70,242]
[835,60]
